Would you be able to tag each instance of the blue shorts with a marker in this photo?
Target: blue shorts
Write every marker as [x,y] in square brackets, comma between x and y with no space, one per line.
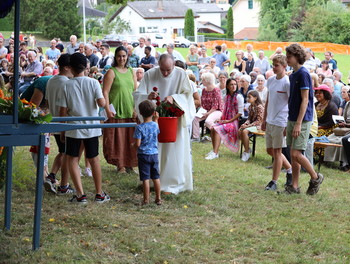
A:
[148,166]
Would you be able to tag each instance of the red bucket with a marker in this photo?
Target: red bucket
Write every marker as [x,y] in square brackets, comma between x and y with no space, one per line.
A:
[168,129]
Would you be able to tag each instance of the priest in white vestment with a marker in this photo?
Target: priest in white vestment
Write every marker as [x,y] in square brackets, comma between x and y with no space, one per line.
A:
[173,86]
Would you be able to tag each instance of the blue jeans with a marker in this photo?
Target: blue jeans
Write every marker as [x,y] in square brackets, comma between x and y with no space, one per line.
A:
[23,87]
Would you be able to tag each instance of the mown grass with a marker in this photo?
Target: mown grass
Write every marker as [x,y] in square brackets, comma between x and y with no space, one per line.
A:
[228,218]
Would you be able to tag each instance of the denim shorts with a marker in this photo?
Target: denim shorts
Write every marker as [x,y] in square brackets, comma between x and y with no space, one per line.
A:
[148,166]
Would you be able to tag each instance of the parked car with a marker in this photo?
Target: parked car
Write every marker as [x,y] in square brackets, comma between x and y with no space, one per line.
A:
[183,42]
[113,40]
[161,41]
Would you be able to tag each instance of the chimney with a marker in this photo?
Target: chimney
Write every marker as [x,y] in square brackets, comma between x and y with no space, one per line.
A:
[160,6]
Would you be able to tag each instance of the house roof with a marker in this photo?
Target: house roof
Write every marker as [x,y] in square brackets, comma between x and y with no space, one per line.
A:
[91,12]
[247,33]
[345,1]
[205,8]
[211,26]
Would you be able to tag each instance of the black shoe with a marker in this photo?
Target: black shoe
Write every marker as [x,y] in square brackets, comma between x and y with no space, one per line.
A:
[289,189]
[50,185]
[79,200]
[288,179]
[271,186]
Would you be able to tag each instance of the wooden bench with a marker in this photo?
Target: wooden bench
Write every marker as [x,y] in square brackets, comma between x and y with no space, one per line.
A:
[321,146]
[252,138]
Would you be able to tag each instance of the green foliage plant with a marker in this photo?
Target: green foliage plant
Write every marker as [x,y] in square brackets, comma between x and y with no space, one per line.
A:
[230,23]
[189,23]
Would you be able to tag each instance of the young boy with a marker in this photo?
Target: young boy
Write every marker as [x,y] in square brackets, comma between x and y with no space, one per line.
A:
[275,120]
[82,96]
[300,118]
[146,140]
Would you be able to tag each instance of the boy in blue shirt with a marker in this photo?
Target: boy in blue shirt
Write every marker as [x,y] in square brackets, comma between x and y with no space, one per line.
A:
[147,142]
[300,119]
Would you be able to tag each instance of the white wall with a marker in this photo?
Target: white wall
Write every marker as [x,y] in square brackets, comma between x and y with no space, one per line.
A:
[244,17]
[136,21]
[214,18]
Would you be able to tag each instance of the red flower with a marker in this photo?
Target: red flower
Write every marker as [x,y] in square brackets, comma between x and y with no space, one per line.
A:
[155,89]
[158,103]
[158,98]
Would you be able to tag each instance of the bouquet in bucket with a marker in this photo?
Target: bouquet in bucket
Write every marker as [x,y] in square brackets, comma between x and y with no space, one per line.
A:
[168,119]
[165,109]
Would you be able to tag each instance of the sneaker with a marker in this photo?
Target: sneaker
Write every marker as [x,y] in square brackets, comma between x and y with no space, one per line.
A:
[88,172]
[209,153]
[314,185]
[289,189]
[271,186]
[62,190]
[102,198]
[245,156]
[50,185]
[195,140]
[76,199]
[288,179]
[212,156]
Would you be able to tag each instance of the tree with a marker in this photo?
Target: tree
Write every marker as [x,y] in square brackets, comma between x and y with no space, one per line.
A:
[61,19]
[189,23]
[117,25]
[229,23]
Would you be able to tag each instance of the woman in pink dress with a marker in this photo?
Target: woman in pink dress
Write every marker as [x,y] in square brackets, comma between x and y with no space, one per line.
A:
[226,129]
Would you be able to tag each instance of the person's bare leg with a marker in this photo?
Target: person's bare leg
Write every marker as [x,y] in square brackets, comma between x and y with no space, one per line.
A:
[303,162]
[156,184]
[277,163]
[64,170]
[216,139]
[75,174]
[96,173]
[145,185]
[57,162]
[245,140]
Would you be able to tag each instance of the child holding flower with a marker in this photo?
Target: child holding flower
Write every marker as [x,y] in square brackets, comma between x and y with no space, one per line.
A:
[147,154]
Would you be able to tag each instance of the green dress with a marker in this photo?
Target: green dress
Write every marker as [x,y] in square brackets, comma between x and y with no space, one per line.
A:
[120,95]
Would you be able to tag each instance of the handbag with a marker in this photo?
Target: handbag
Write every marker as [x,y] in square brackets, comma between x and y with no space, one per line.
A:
[341,131]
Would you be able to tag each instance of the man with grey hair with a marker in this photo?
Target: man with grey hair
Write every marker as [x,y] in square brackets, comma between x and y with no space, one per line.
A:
[338,84]
[310,64]
[89,53]
[262,63]
[176,55]
[52,53]
[33,69]
[173,86]
[250,50]
[73,46]
[330,83]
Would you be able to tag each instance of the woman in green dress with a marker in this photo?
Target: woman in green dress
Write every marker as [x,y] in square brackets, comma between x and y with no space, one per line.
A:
[118,85]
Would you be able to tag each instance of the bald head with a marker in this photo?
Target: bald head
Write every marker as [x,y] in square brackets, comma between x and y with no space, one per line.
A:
[166,64]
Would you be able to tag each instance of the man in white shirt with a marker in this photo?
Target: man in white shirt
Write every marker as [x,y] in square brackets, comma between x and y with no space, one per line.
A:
[310,64]
[140,49]
[3,50]
[275,120]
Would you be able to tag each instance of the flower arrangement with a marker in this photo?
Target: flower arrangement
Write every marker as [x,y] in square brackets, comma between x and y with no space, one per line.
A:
[165,109]
[27,111]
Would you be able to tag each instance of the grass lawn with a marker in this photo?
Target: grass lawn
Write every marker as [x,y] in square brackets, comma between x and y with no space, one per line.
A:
[228,218]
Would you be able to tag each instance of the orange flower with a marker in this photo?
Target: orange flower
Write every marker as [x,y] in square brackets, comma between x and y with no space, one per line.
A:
[1,94]
[25,101]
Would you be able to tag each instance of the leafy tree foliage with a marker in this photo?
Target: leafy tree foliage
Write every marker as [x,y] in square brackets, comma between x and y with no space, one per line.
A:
[53,18]
[229,23]
[189,23]
[282,20]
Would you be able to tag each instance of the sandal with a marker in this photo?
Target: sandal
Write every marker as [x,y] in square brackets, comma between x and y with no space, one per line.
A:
[158,202]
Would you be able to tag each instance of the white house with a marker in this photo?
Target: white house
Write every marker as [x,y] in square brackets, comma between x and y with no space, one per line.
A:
[246,19]
[166,17]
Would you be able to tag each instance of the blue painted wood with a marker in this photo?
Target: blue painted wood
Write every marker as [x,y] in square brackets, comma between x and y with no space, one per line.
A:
[6,119]
[78,118]
[16,61]
[25,129]
[39,194]
[8,189]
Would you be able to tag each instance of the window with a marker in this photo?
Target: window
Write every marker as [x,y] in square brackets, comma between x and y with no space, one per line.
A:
[250,4]
[142,30]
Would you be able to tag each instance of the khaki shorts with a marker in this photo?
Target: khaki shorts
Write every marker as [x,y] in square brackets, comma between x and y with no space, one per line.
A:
[274,137]
[300,142]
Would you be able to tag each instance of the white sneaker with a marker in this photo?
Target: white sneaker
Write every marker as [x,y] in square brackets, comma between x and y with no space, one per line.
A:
[209,153]
[88,172]
[245,156]
[212,156]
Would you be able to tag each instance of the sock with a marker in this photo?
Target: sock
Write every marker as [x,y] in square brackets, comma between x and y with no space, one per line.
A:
[289,171]
[274,181]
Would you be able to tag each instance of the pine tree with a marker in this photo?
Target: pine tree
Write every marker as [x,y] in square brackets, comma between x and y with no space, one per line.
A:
[189,23]
[230,23]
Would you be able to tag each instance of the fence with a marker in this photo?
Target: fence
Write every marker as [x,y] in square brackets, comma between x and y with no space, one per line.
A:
[268,45]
